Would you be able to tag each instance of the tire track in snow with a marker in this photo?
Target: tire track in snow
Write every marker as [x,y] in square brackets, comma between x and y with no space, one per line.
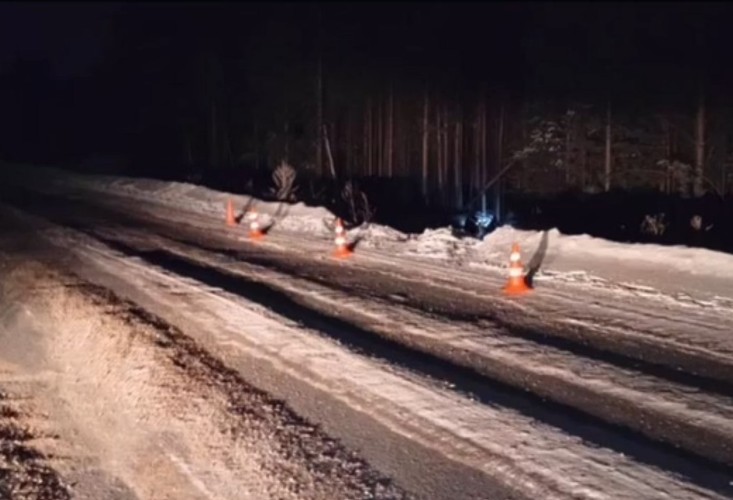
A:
[670,355]
[605,392]
[530,436]
[466,380]
[178,422]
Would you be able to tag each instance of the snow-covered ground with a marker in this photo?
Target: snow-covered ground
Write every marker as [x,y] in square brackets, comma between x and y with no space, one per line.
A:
[133,409]
[623,395]
[667,311]
[675,299]
[673,271]
[637,294]
[532,458]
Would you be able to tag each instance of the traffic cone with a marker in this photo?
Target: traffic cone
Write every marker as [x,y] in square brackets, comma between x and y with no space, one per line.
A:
[255,229]
[230,214]
[342,249]
[516,284]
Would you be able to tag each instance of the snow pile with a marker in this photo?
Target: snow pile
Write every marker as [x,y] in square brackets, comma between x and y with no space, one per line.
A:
[193,198]
[203,200]
[182,196]
[561,248]
[301,218]
[380,237]
[440,244]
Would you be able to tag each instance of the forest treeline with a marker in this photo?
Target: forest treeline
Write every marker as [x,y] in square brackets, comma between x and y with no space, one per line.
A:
[443,98]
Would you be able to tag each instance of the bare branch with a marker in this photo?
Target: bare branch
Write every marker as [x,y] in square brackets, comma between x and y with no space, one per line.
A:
[284,179]
[360,210]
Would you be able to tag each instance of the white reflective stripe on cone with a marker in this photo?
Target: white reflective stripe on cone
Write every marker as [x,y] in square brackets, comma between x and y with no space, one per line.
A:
[514,257]
[340,241]
[516,272]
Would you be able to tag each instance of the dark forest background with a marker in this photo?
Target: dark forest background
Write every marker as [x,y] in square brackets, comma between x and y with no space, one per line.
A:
[615,120]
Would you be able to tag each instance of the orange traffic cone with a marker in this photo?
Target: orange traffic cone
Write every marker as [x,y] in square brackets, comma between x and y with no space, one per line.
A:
[255,229]
[516,284]
[342,249]
[230,214]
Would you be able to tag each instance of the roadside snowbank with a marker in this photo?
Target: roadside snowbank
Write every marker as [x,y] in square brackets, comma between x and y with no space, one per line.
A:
[572,258]
[694,261]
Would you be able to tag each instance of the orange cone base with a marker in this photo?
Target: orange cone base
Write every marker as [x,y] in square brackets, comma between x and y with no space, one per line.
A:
[230,215]
[516,287]
[342,253]
[256,235]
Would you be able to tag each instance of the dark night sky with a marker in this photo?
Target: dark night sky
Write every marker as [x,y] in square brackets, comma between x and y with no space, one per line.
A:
[141,78]
[70,35]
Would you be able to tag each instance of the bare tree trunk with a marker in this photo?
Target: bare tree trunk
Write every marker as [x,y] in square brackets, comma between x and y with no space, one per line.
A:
[500,138]
[584,164]
[446,145]
[439,148]
[390,133]
[524,163]
[476,177]
[499,160]
[608,158]
[399,143]
[724,171]
[580,156]
[458,159]
[667,131]
[257,145]
[380,137]
[425,132]
[331,165]
[699,145]
[368,137]
[568,141]
[349,145]
[402,141]
[365,140]
[319,113]
[483,146]
[583,154]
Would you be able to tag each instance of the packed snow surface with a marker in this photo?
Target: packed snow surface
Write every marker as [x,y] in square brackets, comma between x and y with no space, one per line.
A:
[576,258]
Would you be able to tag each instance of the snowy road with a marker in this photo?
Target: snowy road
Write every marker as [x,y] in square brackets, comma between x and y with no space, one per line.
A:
[138,410]
[554,396]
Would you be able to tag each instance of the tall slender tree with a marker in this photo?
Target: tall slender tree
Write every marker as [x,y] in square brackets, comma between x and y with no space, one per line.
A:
[425,143]
[390,133]
[700,132]
[608,158]
[458,161]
